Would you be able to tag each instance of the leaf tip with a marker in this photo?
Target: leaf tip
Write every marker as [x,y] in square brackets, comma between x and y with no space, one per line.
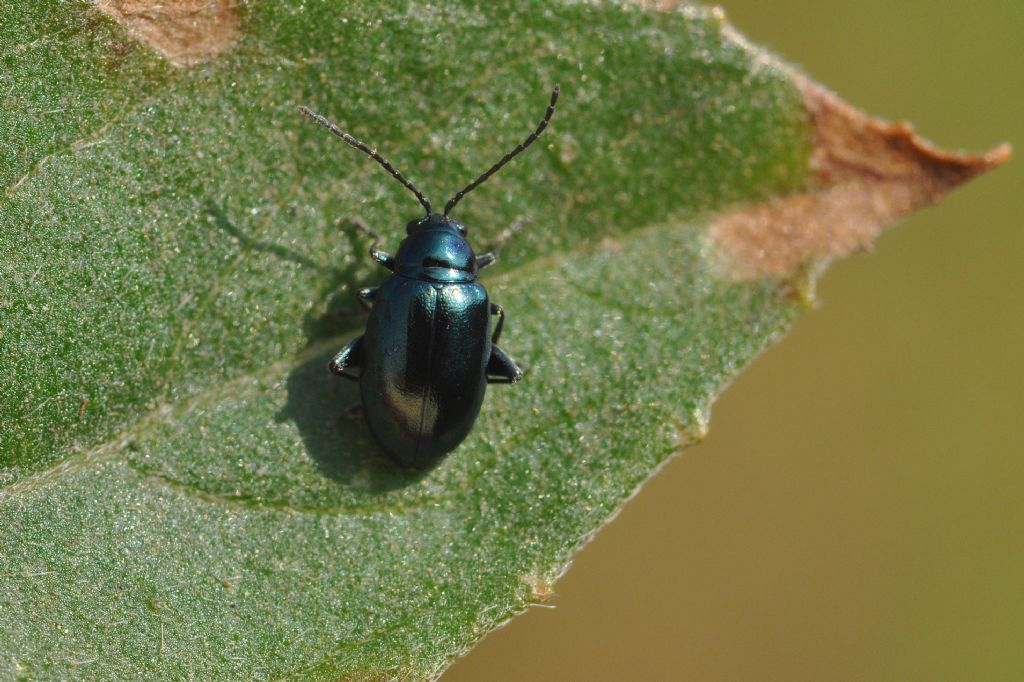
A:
[864,174]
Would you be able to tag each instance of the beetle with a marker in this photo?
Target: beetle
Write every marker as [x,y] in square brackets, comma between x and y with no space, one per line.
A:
[428,351]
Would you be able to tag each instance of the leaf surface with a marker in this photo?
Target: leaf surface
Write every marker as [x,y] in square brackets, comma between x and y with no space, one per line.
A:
[182,496]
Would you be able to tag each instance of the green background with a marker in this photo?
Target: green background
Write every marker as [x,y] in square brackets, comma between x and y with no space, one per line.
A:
[856,512]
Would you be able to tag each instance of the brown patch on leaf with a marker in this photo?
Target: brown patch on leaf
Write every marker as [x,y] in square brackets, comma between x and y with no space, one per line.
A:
[185,32]
[541,590]
[866,174]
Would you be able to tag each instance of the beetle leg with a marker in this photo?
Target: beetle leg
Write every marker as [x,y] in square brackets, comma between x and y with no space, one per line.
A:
[349,356]
[376,254]
[500,312]
[501,369]
[383,258]
[366,295]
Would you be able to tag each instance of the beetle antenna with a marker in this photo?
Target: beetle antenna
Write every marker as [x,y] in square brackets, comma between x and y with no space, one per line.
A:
[372,153]
[508,157]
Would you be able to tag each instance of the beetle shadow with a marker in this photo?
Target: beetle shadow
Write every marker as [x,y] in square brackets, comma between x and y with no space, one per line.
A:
[340,443]
[318,401]
[341,314]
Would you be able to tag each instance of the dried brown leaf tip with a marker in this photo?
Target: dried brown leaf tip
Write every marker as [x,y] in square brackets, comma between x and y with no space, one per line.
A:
[185,32]
[866,173]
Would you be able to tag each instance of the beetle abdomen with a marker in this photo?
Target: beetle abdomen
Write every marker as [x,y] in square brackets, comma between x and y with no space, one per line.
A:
[424,375]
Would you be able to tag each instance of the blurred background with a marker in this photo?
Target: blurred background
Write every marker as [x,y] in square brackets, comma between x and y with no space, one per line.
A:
[856,512]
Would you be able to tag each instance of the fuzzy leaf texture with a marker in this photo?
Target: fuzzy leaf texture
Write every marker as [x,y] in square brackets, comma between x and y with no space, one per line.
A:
[180,495]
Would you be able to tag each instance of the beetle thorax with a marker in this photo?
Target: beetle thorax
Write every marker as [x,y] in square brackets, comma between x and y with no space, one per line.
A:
[438,253]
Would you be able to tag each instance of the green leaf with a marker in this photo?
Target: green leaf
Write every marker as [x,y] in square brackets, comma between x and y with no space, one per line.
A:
[181,495]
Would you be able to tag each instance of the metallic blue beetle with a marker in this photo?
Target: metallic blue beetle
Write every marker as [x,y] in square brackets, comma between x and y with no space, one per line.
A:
[428,352]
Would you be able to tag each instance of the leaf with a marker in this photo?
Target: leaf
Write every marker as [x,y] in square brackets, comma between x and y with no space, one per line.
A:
[181,496]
